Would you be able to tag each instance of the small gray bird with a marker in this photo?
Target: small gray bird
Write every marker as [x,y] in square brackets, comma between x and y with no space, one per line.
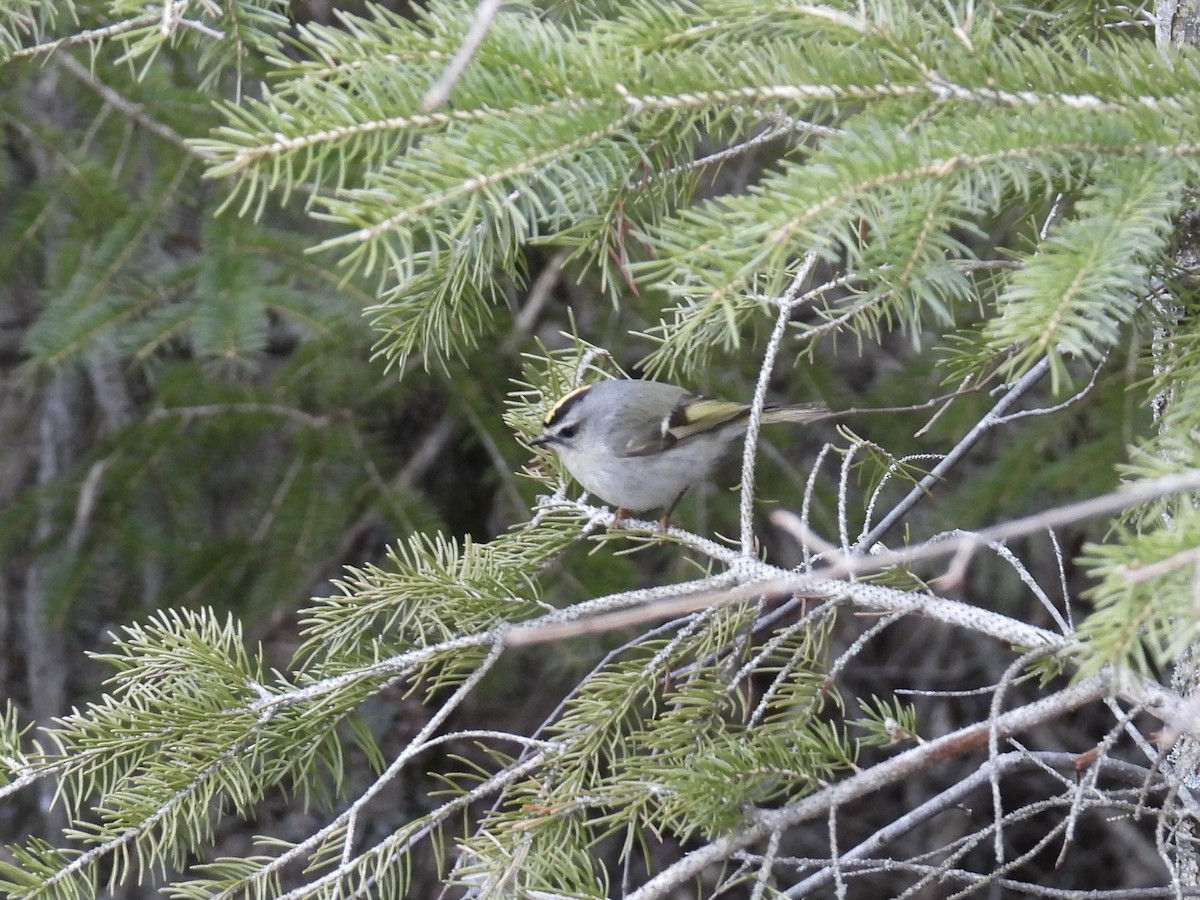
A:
[639,445]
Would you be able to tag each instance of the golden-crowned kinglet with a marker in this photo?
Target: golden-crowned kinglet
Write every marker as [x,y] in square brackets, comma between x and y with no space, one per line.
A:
[639,445]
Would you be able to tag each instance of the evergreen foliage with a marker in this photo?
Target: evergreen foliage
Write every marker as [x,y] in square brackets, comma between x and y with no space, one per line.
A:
[1006,185]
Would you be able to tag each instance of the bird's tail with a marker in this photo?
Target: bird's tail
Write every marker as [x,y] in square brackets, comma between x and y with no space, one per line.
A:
[802,412]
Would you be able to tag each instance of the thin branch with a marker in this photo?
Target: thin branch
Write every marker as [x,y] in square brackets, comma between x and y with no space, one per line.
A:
[750,445]
[91,36]
[188,413]
[1106,504]
[896,465]
[131,110]
[415,746]
[926,484]
[764,879]
[399,842]
[937,88]
[1000,767]
[759,579]
[762,823]
[81,862]
[1014,669]
[1148,572]
[776,131]
[439,93]
[1057,407]
[956,573]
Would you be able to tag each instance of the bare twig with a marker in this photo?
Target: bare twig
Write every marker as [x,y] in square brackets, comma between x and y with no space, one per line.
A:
[131,110]
[798,531]
[348,817]
[926,484]
[761,580]
[1011,673]
[1002,766]
[189,413]
[91,36]
[439,93]
[764,879]
[762,823]
[1057,407]
[750,445]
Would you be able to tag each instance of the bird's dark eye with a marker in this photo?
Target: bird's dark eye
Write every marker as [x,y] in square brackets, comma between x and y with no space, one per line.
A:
[568,431]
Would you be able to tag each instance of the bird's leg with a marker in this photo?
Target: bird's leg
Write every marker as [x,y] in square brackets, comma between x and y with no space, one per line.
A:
[665,522]
[619,518]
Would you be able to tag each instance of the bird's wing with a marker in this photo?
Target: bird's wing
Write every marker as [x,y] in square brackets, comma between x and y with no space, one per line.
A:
[691,416]
[703,414]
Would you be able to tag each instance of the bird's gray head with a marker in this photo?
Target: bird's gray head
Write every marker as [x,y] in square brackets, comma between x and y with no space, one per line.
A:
[565,422]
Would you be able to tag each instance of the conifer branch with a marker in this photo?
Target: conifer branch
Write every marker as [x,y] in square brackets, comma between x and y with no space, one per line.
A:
[762,823]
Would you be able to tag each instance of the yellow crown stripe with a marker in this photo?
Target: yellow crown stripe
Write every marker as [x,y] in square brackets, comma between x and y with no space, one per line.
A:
[563,402]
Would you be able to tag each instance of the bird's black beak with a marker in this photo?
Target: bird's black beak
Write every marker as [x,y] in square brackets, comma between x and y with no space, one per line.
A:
[541,440]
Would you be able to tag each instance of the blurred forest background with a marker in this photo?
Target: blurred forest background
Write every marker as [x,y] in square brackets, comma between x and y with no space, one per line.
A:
[200,411]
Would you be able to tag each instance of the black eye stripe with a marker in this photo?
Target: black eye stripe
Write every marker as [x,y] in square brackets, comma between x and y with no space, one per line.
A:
[560,409]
